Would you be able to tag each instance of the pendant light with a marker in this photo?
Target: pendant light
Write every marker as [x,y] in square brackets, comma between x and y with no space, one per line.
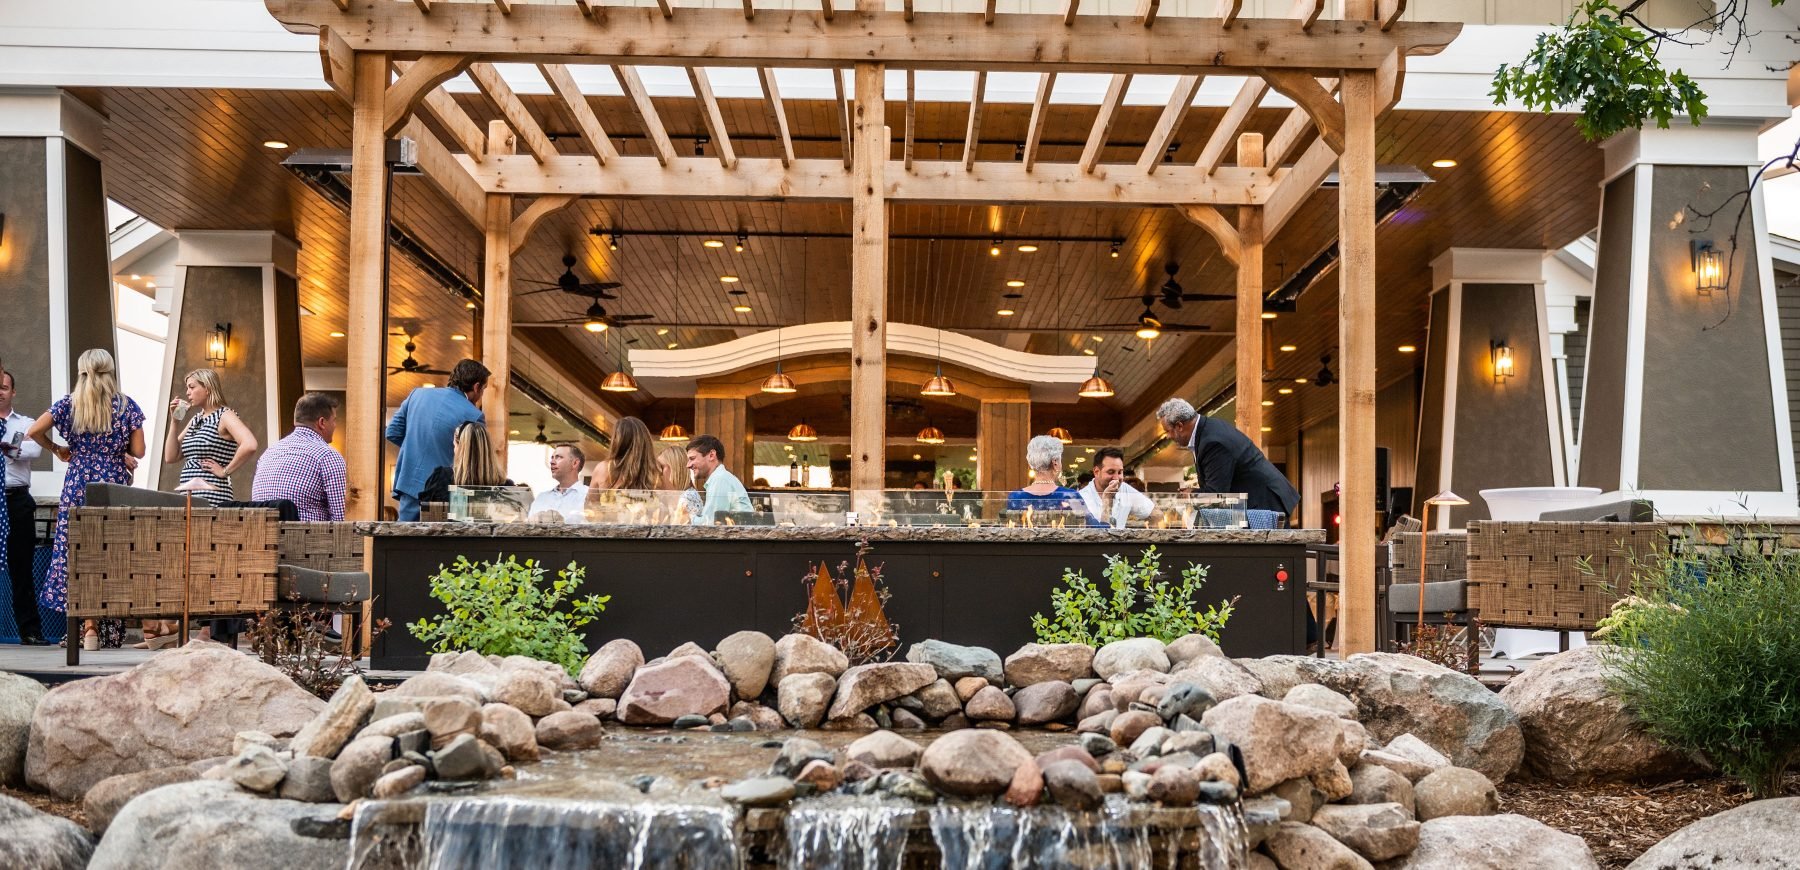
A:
[1061,434]
[930,435]
[938,385]
[1095,387]
[778,382]
[620,381]
[803,432]
[673,433]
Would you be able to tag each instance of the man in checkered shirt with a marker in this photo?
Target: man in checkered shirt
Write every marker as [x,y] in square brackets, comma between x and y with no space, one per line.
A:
[302,467]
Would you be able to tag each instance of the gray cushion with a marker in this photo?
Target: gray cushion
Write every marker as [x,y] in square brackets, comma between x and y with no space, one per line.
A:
[1446,596]
[117,495]
[1629,511]
[294,583]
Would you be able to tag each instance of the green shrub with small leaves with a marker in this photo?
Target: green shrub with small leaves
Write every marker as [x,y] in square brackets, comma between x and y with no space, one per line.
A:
[1138,603]
[506,608]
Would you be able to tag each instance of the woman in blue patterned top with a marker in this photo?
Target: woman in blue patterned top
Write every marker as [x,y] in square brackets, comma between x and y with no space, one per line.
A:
[1046,492]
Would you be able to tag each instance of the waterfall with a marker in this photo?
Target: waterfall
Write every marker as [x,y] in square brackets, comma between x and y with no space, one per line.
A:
[983,837]
[851,834]
[501,832]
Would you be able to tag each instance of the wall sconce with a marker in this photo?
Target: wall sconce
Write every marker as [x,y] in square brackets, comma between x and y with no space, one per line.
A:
[1502,358]
[218,341]
[1709,269]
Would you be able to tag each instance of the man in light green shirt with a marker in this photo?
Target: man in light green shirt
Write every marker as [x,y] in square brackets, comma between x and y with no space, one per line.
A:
[724,492]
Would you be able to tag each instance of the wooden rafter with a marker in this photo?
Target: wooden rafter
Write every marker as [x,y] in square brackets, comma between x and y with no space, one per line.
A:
[462,129]
[540,208]
[337,63]
[563,83]
[987,15]
[424,6]
[1228,11]
[720,37]
[749,11]
[415,80]
[1040,111]
[972,137]
[912,111]
[1216,225]
[1388,12]
[772,95]
[492,85]
[646,111]
[1070,9]
[667,8]
[826,10]
[1226,133]
[1146,11]
[1109,107]
[1308,12]
[442,171]
[1170,122]
[1309,94]
[715,120]
[843,109]
[907,9]
[1298,186]
[592,9]
[505,6]
[342,5]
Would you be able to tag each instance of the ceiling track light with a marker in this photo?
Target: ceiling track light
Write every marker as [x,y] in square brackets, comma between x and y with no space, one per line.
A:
[742,239]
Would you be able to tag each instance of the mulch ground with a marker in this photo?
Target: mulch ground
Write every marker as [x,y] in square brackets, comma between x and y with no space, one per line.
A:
[1621,822]
[44,803]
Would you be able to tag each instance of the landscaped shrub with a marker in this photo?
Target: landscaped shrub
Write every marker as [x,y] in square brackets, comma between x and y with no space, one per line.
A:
[505,608]
[1082,613]
[1711,660]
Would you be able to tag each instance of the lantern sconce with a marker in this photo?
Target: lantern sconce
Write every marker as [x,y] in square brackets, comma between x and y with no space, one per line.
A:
[1709,269]
[218,342]
[1501,357]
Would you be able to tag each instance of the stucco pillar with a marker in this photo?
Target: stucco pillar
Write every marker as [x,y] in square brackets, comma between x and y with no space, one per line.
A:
[1482,428]
[1686,399]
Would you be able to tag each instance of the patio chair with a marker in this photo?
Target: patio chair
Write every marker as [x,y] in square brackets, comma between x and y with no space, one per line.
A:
[1560,574]
[1446,585]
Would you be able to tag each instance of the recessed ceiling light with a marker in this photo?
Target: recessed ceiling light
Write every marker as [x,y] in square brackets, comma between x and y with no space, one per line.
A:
[459,337]
[1097,337]
[1286,391]
[1269,315]
[662,332]
[469,305]
[512,431]
[1006,312]
[741,308]
[917,456]
[729,279]
[275,145]
[1288,348]
[336,334]
[713,243]
[1299,380]
[1268,428]
[1028,249]
[1407,348]
[788,447]
[1015,283]
[674,344]
[1268,403]
[1444,163]
[1088,350]
[1088,449]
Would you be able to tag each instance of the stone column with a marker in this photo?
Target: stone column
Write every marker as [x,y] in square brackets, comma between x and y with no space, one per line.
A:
[55,275]
[1479,429]
[1686,397]
[243,280]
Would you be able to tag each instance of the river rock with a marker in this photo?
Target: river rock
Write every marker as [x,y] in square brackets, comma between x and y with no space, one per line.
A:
[823,776]
[1279,741]
[747,658]
[394,726]
[1174,786]
[1222,677]
[308,780]
[1051,701]
[864,686]
[1505,842]
[359,765]
[968,686]
[1136,654]
[1374,784]
[796,753]
[1333,780]
[568,731]
[1303,847]
[884,749]
[447,717]
[430,684]
[257,768]
[1099,723]
[660,694]
[1454,791]
[1321,698]
[938,699]
[111,794]
[1302,797]
[1189,647]
[805,654]
[804,698]
[461,758]
[1072,785]
[19,698]
[182,705]
[1761,833]
[1127,727]
[40,841]
[761,791]
[1068,753]
[1027,786]
[972,763]
[399,782]
[953,662]
[1453,712]
[1577,731]
[990,705]
[1413,749]
[212,825]
[1353,740]
[1135,686]
[608,671]
[532,691]
[1097,700]
[510,731]
[1184,699]
[1041,662]
[1217,767]
[764,718]
[1377,832]
[1407,767]
[346,712]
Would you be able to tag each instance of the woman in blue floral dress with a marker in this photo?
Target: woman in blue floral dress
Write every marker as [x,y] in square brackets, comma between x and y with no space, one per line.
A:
[105,434]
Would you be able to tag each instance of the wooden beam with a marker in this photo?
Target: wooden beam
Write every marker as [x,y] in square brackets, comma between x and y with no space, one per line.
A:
[1040,112]
[498,92]
[1308,94]
[1294,126]
[826,11]
[505,6]
[1169,123]
[1146,11]
[720,37]
[1356,364]
[563,83]
[1226,133]
[772,94]
[1297,186]
[424,6]
[814,179]
[749,11]
[868,289]
[342,5]
[1388,13]
[709,112]
[1070,9]
[843,112]
[666,7]
[415,81]
[972,136]
[646,111]
[987,16]
[1216,225]
[1308,11]
[912,111]
[540,208]
[594,10]
[907,9]
[1250,302]
[1109,107]
[337,63]
[1227,11]
[442,170]
[365,294]
[497,298]
[462,129]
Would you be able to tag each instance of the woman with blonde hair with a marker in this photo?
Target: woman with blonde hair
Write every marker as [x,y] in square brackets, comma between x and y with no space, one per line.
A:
[472,464]
[105,434]
[215,442]
[672,462]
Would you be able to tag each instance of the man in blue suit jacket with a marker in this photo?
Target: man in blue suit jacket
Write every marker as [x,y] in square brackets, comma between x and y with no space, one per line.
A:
[425,431]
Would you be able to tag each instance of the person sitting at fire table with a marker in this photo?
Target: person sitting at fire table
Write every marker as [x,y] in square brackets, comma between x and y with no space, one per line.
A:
[1108,497]
[1046,492]
[724,492]
[567,497]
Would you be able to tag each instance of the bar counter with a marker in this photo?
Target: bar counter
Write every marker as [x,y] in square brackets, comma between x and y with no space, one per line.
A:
[672,584]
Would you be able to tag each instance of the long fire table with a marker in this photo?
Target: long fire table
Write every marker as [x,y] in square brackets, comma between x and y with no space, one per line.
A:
[962,585]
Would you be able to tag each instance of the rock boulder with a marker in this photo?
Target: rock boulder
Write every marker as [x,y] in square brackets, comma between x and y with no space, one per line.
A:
[804,698]
[1043,662]
[1576,731]
[1503,842]
[747,658]
[211,825]
[1397,694]
[660,694]
[608,671]
[972,763]
[1279,741]
[953,662]
[19,698]
[1759,834]
[864,686]
[805,654]
[1136,654]
[40,841]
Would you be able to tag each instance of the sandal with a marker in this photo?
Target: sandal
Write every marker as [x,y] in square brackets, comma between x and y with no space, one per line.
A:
[157,641]
[90,640]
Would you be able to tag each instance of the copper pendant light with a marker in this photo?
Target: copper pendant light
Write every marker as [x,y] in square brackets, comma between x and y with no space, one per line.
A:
[803,432]
[1096,387]
[930,435]
[779,382]
[620,381]
[1061,434]
[674,432]
[939,385]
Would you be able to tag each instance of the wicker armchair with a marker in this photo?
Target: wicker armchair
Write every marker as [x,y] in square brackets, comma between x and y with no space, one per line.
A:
[1561,576]
[1446,570]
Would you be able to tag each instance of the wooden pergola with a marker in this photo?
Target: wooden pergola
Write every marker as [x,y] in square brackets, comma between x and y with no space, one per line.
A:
[390,59]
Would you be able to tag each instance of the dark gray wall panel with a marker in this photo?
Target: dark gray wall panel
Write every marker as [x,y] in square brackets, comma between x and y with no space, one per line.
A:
[1431,406]
[1604,394]
[1502,430]
[224,294]
[89,260]
[25,272]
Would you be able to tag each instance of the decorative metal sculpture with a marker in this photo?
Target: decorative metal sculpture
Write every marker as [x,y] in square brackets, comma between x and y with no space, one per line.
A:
[859,628]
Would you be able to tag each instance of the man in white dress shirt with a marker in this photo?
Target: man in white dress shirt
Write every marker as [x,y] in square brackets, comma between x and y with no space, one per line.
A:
[569,494]
[21,533]
[1108,497]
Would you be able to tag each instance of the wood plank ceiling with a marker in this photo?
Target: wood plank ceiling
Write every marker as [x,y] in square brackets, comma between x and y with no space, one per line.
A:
[193,159]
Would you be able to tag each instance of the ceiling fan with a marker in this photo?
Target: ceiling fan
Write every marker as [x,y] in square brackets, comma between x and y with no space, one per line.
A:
[1148,326]
[595,318]
[568,282]
[1324,377]
[1171,295]
[412,366]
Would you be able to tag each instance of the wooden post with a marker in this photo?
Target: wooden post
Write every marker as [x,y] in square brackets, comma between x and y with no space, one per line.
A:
[1003,427]
[365,337]
[868,288]
[496,323]
[1249,302]
[1356,366]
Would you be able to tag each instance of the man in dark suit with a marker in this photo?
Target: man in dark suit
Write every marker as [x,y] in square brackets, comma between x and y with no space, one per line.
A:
[1226,460]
